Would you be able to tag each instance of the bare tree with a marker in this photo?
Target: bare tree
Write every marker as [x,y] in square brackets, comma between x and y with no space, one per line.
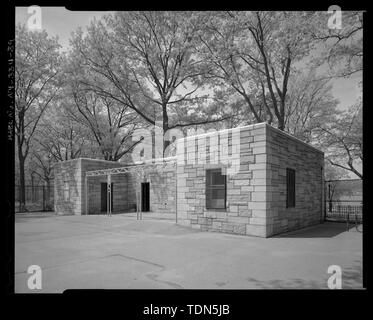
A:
[254,53]
[343,140]
[42,163]
[111,123]
[310,104]
[60,136]
[147,61]
[36,70]
[343,48]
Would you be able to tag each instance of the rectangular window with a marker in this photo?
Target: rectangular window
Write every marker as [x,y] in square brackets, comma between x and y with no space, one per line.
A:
[290,188]
[216,188]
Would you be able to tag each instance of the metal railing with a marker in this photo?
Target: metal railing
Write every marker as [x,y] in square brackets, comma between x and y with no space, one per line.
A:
[350,212]
[344,201]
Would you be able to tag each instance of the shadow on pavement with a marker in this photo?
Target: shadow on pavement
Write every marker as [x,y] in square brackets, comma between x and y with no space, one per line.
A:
[323,230]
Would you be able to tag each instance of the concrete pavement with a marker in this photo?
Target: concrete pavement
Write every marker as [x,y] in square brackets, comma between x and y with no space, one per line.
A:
[120,252]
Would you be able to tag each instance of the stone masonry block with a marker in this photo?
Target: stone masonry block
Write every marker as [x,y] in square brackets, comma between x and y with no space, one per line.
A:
[258,196]
[257,205]
[256,230]
[259,213]
[259,174]
[260,158]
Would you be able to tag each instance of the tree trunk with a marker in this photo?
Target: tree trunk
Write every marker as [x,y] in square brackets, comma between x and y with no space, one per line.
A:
[165,127]
[32,188]
[22,189]
[281,123]
[47,194]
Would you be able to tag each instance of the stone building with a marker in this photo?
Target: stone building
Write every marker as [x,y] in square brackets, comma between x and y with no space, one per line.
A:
[253,180]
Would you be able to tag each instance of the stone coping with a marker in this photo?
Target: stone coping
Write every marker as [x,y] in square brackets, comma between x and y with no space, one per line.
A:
[250,127]
[284,133]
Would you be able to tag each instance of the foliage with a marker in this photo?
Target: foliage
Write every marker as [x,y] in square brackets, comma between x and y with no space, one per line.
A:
[37,84]
[343,140]
[341,49]
[310,104]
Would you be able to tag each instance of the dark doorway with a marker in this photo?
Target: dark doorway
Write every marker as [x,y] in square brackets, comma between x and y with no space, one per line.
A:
[104,196]
[145,198]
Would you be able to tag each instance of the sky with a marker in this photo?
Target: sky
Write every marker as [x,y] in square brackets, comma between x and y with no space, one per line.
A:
[58,21]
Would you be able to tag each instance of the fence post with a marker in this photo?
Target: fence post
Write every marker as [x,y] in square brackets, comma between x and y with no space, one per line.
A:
[324,200]
[356,220]
[43,197]
[19,198]
[86,193]
[329,196]
[176,190]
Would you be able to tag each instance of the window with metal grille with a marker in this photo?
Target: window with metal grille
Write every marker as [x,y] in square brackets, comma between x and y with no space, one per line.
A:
[290,188]
[216,189]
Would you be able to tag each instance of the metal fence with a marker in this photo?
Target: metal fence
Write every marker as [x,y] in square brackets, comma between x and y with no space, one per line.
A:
[340,210]
[37,198]
[344,201]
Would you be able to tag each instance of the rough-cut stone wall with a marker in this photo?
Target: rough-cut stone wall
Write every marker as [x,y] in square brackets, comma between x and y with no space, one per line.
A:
[162,191]
[162,188]
[256,195]
[242,216]
[69,172]
[284,151]
[73,172]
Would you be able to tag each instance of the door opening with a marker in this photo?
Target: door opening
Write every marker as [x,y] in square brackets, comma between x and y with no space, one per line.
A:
[145,198]
[104,196]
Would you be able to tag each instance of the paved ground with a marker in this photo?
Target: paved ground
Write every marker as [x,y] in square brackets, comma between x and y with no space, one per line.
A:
[121,252]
